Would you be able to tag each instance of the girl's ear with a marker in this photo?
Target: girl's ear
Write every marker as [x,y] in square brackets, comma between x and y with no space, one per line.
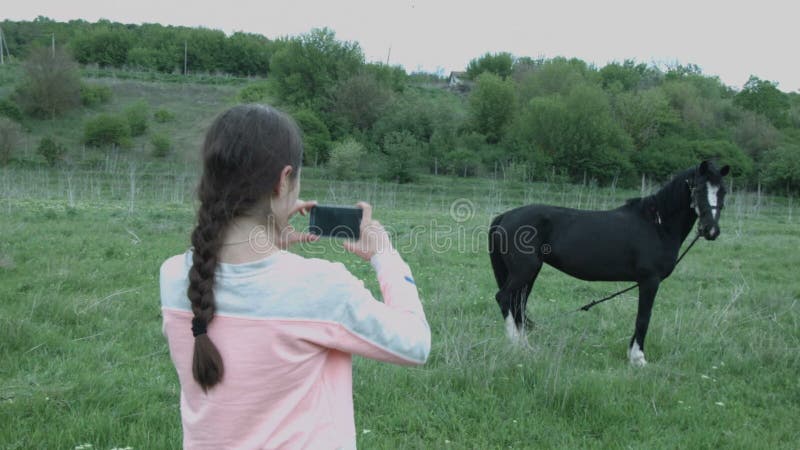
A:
[284,184]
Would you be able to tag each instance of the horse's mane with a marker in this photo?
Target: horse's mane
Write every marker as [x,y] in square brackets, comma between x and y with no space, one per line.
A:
[668,199]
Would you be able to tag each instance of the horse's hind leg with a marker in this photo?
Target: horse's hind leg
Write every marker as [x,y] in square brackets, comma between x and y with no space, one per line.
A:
[513,298]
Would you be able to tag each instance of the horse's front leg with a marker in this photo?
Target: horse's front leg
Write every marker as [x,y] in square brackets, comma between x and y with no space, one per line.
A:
[647,293]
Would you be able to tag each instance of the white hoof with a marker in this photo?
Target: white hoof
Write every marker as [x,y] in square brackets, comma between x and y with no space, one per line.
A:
[514,334]
[636,356]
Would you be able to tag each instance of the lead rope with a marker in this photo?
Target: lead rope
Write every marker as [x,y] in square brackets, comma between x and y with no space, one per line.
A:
[587,306]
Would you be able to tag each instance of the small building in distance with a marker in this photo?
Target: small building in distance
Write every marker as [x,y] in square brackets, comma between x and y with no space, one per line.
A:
[459,82]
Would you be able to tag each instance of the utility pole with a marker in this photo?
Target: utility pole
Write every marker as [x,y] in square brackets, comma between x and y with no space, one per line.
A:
[53,46]
[185,54]
[4,46]
[389,55]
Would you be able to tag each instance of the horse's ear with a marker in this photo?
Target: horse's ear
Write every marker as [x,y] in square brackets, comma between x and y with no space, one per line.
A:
[725,170]
[703,168]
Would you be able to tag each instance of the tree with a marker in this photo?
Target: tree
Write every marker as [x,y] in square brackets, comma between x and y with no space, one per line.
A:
[10,109]
[580,135]
[204,49]
[247,54]
[554,76]
[763,97]
[665,156]
[782,168]
[403,156]
[360,100]
[644,115]
[462,162]
[499,64]
[51,151]
[10,133]
[316,136]
[105,47]
[755,134]
[491,105]
[392,77]
[137,114]
[51,84]
[306,68]
[422,115]
[623,77]
[346,159]
[434,118]
[699,104]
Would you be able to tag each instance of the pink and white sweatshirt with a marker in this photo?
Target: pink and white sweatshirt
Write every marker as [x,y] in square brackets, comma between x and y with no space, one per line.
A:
[286,327]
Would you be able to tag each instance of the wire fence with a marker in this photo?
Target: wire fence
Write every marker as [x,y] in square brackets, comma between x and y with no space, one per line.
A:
[131,185]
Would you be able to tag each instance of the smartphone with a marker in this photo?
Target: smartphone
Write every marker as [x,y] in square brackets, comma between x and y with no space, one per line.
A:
[335,221]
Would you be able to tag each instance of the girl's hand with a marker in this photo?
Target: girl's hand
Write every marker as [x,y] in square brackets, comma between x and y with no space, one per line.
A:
[302,207]
[289,236]
[373,240]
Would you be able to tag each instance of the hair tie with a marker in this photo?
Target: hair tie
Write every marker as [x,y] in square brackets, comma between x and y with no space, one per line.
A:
[198,326]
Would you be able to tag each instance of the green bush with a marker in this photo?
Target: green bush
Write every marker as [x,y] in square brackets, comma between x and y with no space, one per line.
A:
[94,94]
[161,144]
[253,93]
[346,159]
[107,129]
[137,115]
[163,116]
[10,109]
[51,151]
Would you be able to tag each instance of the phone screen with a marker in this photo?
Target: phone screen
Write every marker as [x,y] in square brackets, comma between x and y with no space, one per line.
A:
[335,221]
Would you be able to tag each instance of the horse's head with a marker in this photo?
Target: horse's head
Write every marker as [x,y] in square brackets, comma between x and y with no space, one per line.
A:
[708,197]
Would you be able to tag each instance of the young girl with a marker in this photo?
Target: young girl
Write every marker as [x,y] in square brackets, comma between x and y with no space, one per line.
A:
[261,338]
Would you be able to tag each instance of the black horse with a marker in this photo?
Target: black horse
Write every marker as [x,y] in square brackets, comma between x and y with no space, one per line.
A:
[638,241]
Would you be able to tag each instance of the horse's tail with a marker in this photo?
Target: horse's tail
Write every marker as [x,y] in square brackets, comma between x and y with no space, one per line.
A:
[497,243]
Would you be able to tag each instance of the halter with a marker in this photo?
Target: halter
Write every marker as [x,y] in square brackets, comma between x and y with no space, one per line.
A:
[693,199]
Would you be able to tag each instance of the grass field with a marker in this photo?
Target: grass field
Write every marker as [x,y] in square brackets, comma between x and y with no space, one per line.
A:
[83,361]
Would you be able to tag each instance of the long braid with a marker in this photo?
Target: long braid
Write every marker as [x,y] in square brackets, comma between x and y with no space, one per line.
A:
[207,366]
[244,152]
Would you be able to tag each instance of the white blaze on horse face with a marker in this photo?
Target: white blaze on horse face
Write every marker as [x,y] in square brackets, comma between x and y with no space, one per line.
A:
[511,329]
[712,198]
[636,355]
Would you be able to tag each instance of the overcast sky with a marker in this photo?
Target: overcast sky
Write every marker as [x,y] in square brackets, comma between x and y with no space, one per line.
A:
[728,39]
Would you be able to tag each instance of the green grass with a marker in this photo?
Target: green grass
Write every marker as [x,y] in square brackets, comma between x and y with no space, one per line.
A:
[82,358]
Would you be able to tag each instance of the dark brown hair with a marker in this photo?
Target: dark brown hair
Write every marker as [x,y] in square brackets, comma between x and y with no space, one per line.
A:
[244,152]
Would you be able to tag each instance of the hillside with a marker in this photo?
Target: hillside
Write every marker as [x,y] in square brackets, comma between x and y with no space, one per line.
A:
[193,106]
[528,119]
